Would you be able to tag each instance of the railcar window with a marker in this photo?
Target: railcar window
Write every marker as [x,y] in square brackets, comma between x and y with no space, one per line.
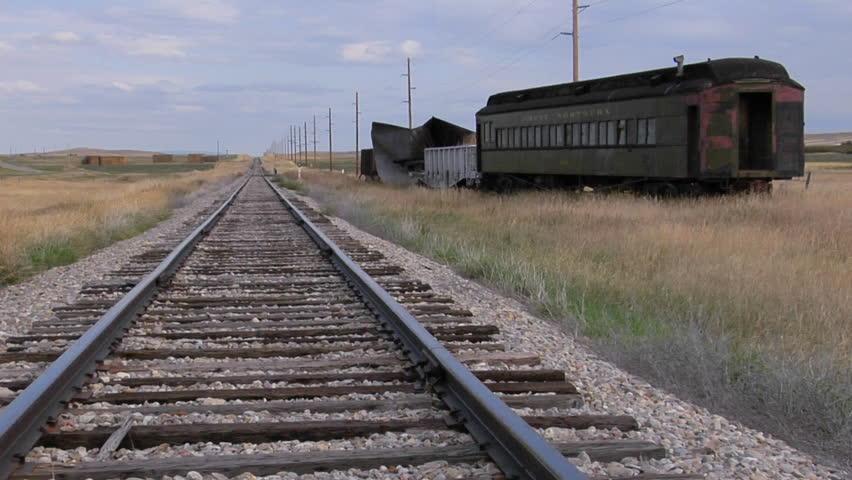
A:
[602,134]
[652,131]
[563,135]
[622,132]
[593,133]
[501,138]
[545,136]
[642,131]
[516,140]
[611,136]
[577,132]
[530,137]
[584,133]
[538,137]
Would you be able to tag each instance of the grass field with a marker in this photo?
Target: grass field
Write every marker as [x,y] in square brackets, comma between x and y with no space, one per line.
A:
[57,217]
[742,303]
[340,161]
[150,169]
[820,159]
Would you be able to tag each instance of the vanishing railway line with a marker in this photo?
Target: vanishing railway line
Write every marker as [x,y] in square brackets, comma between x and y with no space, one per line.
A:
[257,345]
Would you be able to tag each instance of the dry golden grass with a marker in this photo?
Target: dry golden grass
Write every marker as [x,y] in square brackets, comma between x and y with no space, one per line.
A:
[50,220]
[765,268]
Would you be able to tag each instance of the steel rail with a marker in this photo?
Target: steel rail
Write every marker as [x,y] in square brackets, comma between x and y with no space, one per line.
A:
[21,422]
[519,451]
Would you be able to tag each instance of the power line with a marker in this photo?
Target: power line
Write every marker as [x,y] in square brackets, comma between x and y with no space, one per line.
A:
[454,39]
[635,14]
[553,33]
[513,57]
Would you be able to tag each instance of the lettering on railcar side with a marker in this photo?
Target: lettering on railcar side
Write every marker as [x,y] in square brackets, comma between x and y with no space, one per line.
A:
[557,116]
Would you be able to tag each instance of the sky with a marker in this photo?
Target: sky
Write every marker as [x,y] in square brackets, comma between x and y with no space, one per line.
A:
[184,74]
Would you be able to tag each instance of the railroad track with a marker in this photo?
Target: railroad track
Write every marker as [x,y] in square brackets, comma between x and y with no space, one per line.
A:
[263,343]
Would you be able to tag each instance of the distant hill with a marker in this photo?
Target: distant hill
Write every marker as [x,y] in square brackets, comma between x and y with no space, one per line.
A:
[187,152]
[827,138]
[82,151]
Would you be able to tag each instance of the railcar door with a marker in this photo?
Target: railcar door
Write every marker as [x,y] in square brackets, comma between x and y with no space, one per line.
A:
[755,131]
[693,136]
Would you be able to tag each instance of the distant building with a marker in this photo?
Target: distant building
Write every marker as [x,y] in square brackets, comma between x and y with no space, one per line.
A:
[101,160]
[195,158]
[162,158]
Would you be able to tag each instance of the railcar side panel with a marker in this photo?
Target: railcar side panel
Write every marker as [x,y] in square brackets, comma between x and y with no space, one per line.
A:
[582,148]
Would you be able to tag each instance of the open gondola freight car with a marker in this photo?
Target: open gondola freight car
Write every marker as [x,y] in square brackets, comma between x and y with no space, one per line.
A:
[720,125]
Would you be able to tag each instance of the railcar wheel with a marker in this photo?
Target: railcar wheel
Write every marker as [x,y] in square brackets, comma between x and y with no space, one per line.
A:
[505,184]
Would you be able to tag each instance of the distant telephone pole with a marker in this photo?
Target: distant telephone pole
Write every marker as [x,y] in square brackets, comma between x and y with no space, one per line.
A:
[306,143]
[315,138]
[357,136]
[330,150]
[410,88]
[299,143]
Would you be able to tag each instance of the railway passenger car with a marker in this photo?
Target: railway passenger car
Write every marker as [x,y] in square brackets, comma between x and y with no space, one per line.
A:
[719,125]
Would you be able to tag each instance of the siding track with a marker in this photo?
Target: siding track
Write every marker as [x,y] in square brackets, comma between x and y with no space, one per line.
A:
[266,344]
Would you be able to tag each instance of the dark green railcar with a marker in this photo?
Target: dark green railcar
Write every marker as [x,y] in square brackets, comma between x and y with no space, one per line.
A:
[722,125]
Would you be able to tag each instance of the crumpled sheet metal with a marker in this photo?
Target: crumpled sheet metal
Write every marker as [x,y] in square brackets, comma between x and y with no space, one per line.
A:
[398,151]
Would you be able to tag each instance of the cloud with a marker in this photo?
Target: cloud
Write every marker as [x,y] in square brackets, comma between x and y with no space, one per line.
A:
[5,47]
[366,52]
[464,56]
[215,11]
[20,86]
[122,86]
[62,38]
[147,45]
[411,48]
[267,88]
[189,108]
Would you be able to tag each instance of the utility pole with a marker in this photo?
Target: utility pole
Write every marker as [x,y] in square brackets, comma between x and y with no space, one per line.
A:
[408,74]
[357,137]
[315,138]
[217,149]
[330,150]
[576,37]
[299,143]
[306,143]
